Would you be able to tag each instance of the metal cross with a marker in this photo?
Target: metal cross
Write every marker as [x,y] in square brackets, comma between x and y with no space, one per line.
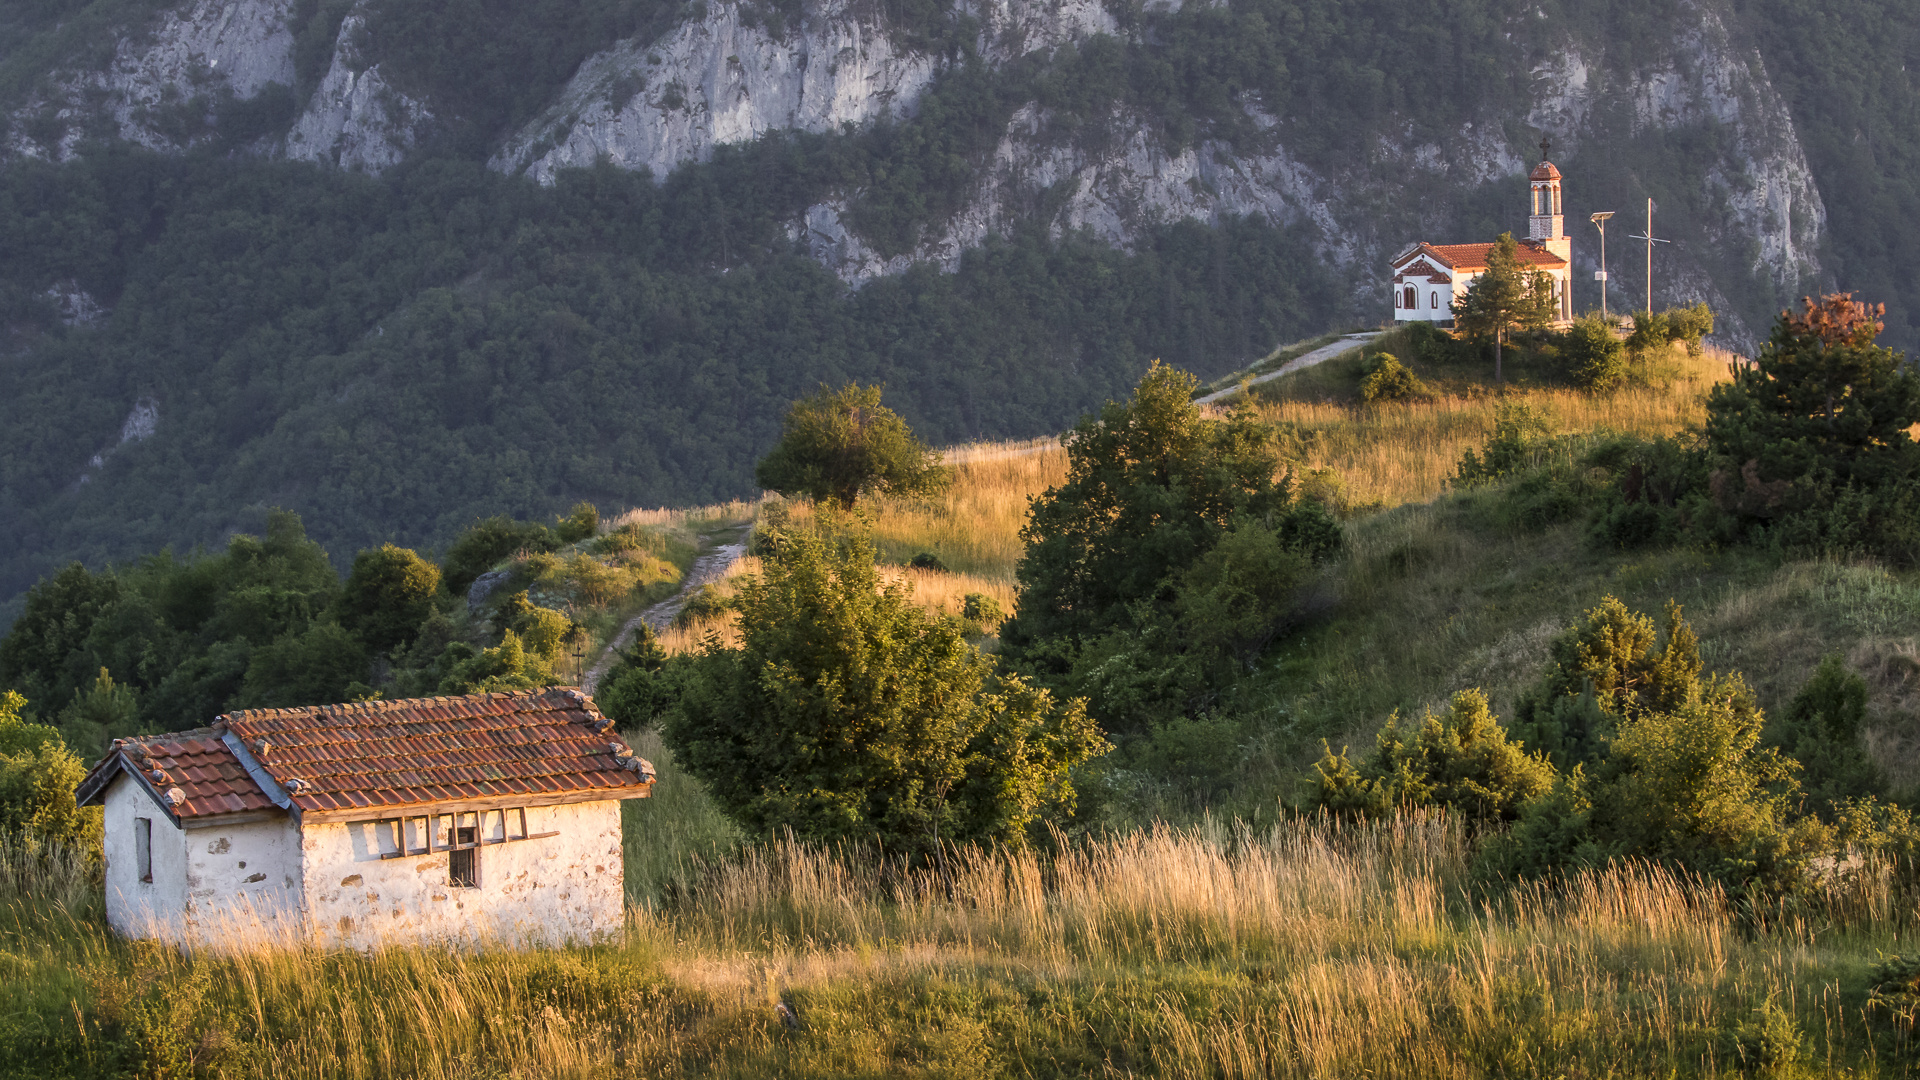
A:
[1651,240]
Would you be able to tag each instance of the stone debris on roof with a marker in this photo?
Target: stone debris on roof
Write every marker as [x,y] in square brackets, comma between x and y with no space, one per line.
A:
[444,749]
[385,753]
[194,764]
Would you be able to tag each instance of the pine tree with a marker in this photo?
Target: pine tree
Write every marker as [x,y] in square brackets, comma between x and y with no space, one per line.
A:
[1506,297]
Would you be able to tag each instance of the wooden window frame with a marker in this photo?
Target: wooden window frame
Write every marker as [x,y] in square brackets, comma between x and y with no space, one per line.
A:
[143,849]
[430,825]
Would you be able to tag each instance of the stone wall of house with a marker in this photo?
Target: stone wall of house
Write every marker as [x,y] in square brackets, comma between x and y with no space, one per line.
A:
[566,887]
[143,908]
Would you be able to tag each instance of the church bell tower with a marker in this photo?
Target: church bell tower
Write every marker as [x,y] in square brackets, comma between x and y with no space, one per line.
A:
[1547,225]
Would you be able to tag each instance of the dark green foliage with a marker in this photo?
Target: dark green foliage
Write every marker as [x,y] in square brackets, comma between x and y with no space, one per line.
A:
[1386,379]
[847,713]
[643,684]
[323,665]
[1612,669]
[1820,729]
[579,524]
[37,777]
[506,666]
[1505,298]
[486,543]
[705,603]
[1233,599]
[1463,761]
[177,633]
[1520,439]
[1665,764]
[1655,333]
[39,656]
[1152,486]
[309,339]
[841,444]
[981,612]
[1595,358]
[1811,439]
[105,712]
[387,596]
[927,560]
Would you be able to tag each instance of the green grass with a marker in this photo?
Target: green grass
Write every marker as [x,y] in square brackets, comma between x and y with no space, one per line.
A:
[1301,950]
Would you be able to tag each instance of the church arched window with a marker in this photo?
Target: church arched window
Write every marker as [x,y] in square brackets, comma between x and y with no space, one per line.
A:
[1408,300]
[1436,301]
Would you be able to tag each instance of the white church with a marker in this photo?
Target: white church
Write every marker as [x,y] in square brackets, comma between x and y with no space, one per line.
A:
[1429,278]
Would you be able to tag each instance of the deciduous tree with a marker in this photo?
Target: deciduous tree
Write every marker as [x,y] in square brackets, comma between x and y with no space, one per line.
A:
[848,713]
[841,444]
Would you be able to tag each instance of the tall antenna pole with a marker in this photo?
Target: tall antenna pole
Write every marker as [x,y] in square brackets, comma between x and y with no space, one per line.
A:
[1651,240]
[1600,221]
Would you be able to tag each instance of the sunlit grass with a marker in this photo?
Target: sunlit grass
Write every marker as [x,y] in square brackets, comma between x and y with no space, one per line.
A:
[1307,949]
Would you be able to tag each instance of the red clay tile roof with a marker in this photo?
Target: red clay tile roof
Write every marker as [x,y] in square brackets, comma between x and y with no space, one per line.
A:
[209,779]
[1544,171]
[445,749]
[386,753]
[1474,256]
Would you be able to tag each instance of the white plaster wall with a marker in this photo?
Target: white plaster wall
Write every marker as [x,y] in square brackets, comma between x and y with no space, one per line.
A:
[137,908]
[243,878]
[551,890]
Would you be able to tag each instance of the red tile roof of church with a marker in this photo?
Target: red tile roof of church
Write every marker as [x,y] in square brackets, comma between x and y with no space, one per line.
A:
[1544,171]
[1474,256]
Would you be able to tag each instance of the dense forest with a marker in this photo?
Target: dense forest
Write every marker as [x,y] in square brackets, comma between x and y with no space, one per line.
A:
[395,357]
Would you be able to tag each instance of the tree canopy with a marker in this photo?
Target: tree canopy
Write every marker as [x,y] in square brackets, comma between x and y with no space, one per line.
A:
[842,444]
[1506,297]
[848,713]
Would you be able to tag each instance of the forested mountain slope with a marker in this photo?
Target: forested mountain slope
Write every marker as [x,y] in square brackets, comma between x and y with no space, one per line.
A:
[399,264]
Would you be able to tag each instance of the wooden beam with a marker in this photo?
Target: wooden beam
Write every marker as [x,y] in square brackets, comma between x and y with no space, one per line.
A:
[382,813]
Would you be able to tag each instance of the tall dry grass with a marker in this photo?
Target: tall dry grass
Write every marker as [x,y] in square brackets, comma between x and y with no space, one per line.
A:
[1403,452]
[1310,949]
[974,526]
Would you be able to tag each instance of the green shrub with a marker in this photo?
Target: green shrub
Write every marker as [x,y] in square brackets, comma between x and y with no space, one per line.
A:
[387,595]
[1462,760]
[37,777]
[707,602]
[982,611]
[1820,728]
[106,712]
[579,524]
[324,665]
[1521,436]
[1386,379]
[927,560]
[1612,668]
[848,713]
[1595,358]
[486,543]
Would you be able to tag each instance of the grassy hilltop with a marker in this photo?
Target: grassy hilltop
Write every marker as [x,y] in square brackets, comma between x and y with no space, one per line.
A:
[1186,926]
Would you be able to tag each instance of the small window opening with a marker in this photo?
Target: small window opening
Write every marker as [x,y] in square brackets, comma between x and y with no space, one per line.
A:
[463,863]
[143,848]
[1436,301]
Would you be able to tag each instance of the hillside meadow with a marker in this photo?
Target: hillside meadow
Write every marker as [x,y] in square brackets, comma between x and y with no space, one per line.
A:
[1184,924]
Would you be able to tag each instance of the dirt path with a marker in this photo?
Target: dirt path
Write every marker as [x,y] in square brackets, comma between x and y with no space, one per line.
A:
[1320,355]
[707,568]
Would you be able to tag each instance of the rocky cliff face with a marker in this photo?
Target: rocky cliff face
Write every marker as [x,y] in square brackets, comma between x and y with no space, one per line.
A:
[731,75]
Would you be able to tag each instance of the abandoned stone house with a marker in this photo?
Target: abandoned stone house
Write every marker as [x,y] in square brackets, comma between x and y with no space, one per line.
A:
[1429,278]
[484,816]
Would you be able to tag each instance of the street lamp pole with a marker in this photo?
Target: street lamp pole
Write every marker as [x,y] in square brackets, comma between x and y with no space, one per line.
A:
[1600,222]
